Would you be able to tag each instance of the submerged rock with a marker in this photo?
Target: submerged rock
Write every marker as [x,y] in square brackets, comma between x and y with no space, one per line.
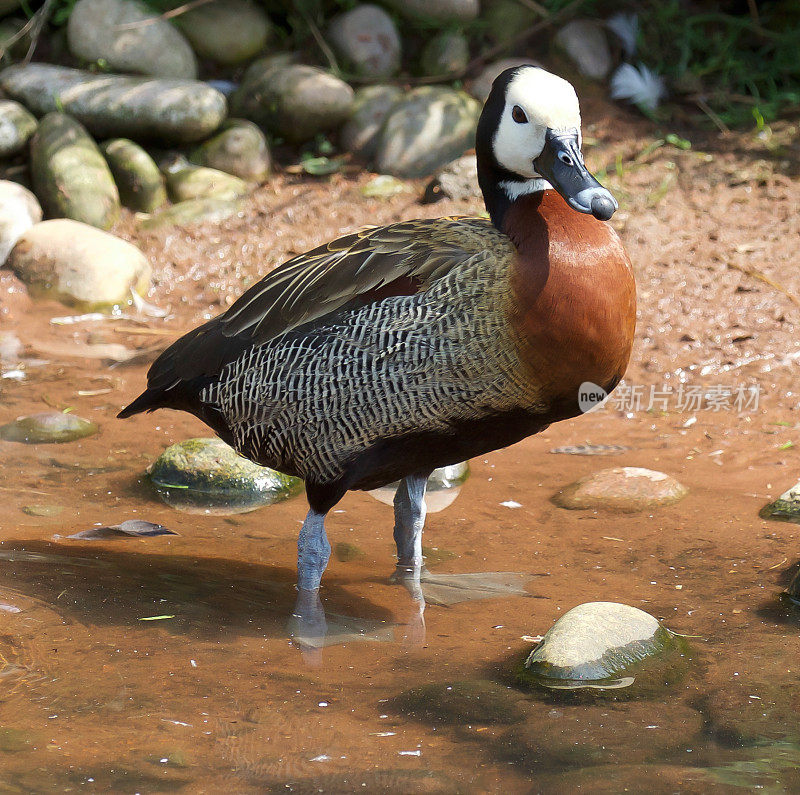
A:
[228,32]
[599,645]
[168,110]
[17,125]
[199,182]
[70,174]
[79,265]
[292,100]
[140,185]
[429,127]
[786,508]
[193,211]
[460,702]
[371,106]
[366,40]
[208,476]
[47,427]
[626,489]
[129,37]
[240,148]
[19,211]
[345,552]
[793,589]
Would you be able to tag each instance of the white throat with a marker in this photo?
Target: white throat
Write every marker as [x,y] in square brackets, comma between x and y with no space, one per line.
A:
[514,189]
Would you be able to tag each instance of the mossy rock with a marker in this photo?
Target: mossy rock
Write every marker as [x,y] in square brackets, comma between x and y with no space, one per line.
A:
[140,185]
[70,175]
[193,211]
[240,148]
[208,476]
[200,182]
[47,427]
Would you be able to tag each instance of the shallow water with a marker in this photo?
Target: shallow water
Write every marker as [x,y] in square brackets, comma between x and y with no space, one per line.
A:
[165,663]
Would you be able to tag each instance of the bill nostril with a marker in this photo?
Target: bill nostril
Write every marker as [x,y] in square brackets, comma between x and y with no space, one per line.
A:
[565,159]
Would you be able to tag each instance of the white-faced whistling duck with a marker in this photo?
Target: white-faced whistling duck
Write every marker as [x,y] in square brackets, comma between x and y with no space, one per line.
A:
[390,352]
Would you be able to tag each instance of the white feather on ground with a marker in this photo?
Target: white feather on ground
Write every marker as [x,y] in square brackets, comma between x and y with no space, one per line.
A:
[638,85]
[626,28]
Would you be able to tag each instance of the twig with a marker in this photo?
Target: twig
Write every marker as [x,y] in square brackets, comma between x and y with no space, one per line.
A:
[10,42]
[520,37]
[703,105]
[537,8]
[175,12]
[762,277]
[321,43]
[41,16]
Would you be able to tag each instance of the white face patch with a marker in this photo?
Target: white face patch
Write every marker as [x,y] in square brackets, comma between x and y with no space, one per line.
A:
[547,101]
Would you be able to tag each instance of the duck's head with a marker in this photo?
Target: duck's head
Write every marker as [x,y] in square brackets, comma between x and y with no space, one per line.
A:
[529,139]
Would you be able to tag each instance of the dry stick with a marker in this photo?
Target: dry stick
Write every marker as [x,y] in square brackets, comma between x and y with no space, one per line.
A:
[757,274]
[9,43]
[321,43]
[43,14]
[175,12]
[532,5]
[703,105]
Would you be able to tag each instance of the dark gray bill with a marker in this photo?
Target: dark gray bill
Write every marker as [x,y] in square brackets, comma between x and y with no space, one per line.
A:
[561,164]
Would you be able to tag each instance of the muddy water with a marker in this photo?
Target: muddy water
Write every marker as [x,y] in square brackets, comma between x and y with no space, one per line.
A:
[165,664]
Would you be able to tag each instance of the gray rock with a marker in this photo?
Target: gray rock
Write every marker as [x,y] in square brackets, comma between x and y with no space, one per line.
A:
[19,211]
[446,54]
[598,645]
[140,185]
[625,489]
[199,182]
[240,148]
[460,702]
[17,125]
[457,180]
[129,37]
[292,100]
[208,476]
[505,19]
[786,508]
[48,427]
[194,211]
[586,43]
[437,10]
[371,106]
[79,265]
[366,41]
[228,32]
[70,175]
[482,84]
[172,111]
[429,127]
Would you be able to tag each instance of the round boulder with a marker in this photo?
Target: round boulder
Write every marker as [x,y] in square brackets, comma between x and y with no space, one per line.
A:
[371,106]
[70,175]
[446,54]
[208,476]
[429,127]
[239,149]
[129,37]
[599,645]
[19,211]
[17,125]
[79,265]
[292,100]
[586,43]
[625,489]
[228,32]
[366,40]
[437,10]
[193,211]
[140,185]
[482,84]
[168,110]
[199,182]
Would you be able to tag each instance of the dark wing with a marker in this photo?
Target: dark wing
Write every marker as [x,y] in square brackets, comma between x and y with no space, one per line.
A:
[399,259]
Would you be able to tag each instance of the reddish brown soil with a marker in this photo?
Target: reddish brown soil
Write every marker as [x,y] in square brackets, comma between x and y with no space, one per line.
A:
[221,694]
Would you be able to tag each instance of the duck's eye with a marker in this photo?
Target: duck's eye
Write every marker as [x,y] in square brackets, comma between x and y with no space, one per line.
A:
[518,114]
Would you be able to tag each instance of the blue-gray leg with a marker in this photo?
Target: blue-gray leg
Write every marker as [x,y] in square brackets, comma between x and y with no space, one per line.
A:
[313,551]
[409,519]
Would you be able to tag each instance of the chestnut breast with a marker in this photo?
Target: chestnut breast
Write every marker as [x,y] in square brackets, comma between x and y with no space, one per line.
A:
[573,308]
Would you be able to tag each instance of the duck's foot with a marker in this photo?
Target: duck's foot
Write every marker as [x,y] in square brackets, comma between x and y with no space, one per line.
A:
[307,625]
